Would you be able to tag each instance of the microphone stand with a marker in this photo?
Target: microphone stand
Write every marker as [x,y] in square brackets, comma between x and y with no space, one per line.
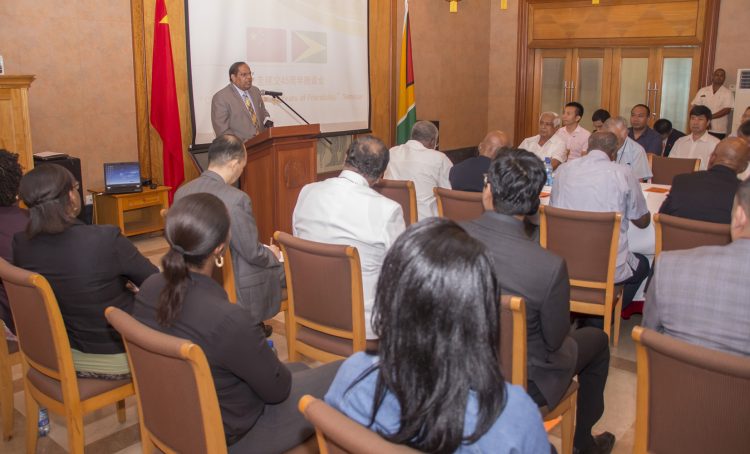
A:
[298,114]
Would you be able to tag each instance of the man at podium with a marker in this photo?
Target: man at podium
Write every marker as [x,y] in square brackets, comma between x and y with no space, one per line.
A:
[238,108]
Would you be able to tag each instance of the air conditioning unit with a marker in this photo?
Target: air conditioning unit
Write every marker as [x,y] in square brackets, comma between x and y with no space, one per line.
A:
[741,97]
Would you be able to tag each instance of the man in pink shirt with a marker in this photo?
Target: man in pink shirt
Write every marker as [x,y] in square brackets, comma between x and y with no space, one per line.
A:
[575,137]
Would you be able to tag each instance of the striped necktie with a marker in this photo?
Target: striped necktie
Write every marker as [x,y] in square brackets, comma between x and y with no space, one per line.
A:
[250,109]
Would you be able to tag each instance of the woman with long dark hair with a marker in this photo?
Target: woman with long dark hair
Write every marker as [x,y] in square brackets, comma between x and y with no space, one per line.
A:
[257,393]
[435,383]
[89,267]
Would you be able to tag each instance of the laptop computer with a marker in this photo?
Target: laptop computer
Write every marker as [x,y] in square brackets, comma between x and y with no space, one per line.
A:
[122,177]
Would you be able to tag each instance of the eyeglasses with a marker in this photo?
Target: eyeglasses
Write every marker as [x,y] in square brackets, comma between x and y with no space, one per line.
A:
[250,74]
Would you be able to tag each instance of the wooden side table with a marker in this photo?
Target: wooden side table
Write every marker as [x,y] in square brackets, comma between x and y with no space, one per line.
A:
[135,213]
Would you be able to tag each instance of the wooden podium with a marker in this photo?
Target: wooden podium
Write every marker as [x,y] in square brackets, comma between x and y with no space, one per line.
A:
[280,161]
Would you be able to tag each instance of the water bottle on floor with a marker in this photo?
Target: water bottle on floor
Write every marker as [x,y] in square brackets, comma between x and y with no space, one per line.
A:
[43,422]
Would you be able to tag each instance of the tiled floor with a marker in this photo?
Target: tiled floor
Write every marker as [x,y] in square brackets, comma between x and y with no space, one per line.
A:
[103,434]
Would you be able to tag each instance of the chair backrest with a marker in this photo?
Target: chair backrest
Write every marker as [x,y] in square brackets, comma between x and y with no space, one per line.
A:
[225,276]
[513,339]
[181,413]
[588,242]
[338,434]
[673,233]
[42,338]
[326,305]
[665,169]
[458,205]
[403,192]
[690,399]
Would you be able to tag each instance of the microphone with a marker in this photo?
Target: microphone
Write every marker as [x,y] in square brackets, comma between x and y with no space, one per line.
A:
[271,93]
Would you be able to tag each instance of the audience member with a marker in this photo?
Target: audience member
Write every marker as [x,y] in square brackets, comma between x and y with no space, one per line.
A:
[12,220]
[524,268]
[468,175]
[238,108]
[87,266]
[434,384]
[719,100]
[346,210]
[257,270]
[699,143]
[257,394]
[668,134]
[641,133]
[629,152]
[708,195]
[598,119]
[575,137]
[597,183]
[418,160]
[700,295]
[547,144]
[743,132]
[745,117]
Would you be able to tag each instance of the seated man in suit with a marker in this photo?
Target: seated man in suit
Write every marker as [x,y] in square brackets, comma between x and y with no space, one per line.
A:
[524,268]
[238,108]
[668,134]
[700,295]
[346,210]
[707,195]
[547,144]
[258,273]
[468,175]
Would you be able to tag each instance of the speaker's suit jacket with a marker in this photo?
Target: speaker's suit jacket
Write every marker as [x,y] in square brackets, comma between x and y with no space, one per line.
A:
[229,115]
[258,274]
[525,269]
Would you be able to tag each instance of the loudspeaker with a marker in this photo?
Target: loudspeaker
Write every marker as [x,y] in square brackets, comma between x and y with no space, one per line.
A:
[74,165]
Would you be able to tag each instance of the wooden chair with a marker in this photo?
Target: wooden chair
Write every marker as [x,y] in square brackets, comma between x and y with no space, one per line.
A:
[690,399]
[665,169]
[326,306]
[49,377]
[588,242]
[458,205]
[9,357]
[403,192]
[673,233]
[338,434]
[513,360]
[188,395]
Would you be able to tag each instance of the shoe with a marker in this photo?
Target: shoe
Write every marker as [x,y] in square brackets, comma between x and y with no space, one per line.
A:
[267,329]
[603,444]
[635,307]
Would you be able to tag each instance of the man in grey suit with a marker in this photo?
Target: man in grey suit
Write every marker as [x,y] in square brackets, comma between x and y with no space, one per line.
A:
[238,108]
[514,181]
[701,295]
[257,270]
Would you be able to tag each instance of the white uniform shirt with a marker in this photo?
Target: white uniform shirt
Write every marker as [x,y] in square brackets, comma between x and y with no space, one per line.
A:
[595,183]
[686,147]
[425,167]
[553,148]
[345,210]
[631,153]
[722,99]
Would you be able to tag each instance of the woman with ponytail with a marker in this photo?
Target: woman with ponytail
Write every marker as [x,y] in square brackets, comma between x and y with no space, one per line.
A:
[89,267]
[257,394]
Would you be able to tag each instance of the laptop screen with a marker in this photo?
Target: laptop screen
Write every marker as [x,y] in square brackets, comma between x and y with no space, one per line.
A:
[122,174]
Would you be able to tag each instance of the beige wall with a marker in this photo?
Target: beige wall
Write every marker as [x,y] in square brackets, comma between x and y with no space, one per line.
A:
[502,69]
[732,51]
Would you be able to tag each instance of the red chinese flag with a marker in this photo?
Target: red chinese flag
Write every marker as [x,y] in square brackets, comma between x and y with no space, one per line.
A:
[165,115]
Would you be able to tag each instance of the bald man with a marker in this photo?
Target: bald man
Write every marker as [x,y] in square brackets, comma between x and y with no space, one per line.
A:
[707,195]
[468,175]
[546,144]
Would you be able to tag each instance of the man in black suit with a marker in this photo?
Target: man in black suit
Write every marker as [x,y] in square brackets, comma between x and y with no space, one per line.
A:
[468,174]
[514,181]
[668,135]
[707,195]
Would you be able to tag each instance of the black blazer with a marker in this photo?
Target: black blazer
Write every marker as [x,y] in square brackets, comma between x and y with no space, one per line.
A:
[673,136]
[468,175]
[525,269]
[246,372]
[704,196]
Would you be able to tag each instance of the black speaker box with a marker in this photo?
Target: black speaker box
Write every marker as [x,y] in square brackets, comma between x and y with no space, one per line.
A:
[74,165]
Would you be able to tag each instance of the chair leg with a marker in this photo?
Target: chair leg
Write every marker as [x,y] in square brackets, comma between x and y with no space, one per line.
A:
[618,317]
[120,411]
[32,421]
[567,426]
[6,401]
[608,323]
[75,432]
[286,333]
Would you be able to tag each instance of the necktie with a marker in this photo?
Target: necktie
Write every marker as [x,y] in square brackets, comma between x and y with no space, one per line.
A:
[250,109]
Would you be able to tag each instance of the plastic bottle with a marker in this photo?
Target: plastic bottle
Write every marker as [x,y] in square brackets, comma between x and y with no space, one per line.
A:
[43,422]
[273,349]
[548,169]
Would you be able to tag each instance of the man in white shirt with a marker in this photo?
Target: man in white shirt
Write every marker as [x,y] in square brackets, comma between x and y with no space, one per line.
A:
[346,210]
[629,152]
[699,143]
[719,100]
[546,144]
[418,161]
[575,137]
[596,183]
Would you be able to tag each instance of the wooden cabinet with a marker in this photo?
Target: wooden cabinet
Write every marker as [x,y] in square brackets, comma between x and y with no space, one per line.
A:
[135,213]
[15,128]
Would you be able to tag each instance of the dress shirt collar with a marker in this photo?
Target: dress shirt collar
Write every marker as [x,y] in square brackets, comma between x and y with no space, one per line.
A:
[242,93]
[354,177]
[597,155]
[703,138]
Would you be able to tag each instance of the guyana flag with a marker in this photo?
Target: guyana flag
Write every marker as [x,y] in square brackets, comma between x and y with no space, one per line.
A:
[407,108]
